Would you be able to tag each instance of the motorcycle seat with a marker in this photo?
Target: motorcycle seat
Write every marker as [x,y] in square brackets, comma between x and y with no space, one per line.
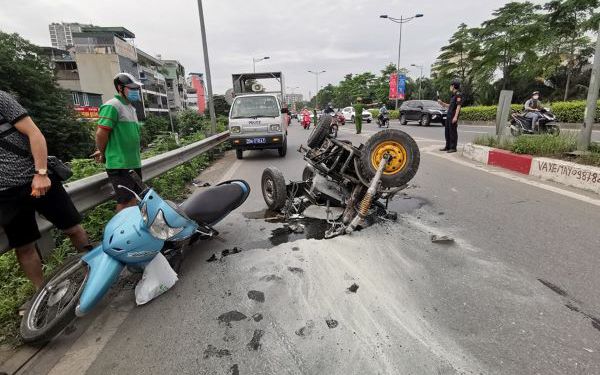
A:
[210,205]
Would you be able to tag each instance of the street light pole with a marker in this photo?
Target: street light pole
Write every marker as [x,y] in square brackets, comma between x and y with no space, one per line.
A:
[400,21]
[255,60]
[211,103]
[317,92]
[585,135]
[420,77]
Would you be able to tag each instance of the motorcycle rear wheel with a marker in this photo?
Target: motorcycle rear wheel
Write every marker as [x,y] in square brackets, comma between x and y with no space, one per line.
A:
[405,157]
[59,304]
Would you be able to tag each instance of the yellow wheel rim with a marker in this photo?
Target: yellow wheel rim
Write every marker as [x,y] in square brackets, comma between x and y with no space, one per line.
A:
[397,154]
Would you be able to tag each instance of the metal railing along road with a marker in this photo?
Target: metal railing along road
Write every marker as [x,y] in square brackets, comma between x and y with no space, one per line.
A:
[91,191]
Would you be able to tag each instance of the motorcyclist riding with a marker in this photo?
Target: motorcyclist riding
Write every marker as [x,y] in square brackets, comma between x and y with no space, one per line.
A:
[329,109]
[382,112]
[533,107]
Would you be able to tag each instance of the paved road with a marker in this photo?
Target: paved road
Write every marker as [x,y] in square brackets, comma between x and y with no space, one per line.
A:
[466,133]
[517,293]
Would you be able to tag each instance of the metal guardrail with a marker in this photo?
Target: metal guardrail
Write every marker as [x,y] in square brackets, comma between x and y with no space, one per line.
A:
[91,191]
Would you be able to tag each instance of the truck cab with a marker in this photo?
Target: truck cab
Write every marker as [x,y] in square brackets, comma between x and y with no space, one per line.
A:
[257,119]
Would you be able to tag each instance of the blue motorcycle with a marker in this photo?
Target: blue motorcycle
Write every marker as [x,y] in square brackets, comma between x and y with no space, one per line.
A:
[132,238]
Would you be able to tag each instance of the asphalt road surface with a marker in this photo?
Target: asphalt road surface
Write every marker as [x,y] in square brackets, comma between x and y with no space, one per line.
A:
[516,293]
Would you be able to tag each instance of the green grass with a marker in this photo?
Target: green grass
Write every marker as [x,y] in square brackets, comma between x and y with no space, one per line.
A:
[544,145]
[15,288]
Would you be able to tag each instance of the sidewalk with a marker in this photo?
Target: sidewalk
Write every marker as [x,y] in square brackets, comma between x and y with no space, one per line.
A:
[584,177]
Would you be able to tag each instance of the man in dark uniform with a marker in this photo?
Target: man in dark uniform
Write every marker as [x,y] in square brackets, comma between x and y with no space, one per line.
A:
[451,126]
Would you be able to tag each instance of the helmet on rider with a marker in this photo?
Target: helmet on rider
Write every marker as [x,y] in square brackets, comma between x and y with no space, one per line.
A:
[535,95]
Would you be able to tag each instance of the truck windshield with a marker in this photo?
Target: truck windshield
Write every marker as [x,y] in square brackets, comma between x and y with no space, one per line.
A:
[255,106]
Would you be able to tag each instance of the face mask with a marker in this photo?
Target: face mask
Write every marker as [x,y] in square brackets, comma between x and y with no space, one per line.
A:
[536,97]
[133,95]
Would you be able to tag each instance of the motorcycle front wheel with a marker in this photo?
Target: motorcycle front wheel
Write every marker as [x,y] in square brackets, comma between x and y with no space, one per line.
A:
[53,306]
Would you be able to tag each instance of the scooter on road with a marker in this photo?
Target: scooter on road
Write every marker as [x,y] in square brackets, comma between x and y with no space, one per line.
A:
[132,238]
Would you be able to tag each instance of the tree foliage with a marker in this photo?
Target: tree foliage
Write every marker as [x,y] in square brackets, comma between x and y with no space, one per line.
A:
[522,47]
[27,74]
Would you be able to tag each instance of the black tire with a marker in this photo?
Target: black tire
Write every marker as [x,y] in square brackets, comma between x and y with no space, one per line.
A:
[239,153]
[33,335]
[368,121]
[403,120]
[273,188]
[554,130]
[320,132]
[334,131]
[395,178]
[283,149]
[425,120]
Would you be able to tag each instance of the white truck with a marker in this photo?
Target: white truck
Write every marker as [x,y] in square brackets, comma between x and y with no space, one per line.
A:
[257,119]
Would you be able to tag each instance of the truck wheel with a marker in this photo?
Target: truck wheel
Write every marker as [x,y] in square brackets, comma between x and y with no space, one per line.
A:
[283,149]
[239,153]
[273,188]
[405,157]
[320,132]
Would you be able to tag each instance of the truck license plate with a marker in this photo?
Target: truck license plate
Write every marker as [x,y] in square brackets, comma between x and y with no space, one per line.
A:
[256,141]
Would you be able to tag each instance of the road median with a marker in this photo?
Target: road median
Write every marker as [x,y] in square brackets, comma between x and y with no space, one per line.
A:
[580,176]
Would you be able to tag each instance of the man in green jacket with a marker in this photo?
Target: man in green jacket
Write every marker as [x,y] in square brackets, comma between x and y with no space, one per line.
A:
[118,139]
[358,110]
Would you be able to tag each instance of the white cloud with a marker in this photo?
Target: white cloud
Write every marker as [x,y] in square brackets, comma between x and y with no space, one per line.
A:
[340,36]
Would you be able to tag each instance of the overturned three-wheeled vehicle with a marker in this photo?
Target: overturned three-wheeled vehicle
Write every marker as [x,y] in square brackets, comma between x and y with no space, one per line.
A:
[359,180]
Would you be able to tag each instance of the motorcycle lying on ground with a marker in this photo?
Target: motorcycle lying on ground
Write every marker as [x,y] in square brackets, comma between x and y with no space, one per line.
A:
[132,238]
[383,120]
[521,124]
[359,180]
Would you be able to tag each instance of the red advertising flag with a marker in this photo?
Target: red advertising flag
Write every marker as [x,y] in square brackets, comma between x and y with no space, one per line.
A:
[393,86]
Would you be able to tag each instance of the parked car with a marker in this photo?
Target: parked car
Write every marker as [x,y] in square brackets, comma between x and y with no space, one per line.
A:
[349,115]
[424,112]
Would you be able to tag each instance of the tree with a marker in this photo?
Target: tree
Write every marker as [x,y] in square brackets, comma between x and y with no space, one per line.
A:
[27,74]
[459,60]
[153,126]
[514,29]
[190,121]
[570,20]
[221,105]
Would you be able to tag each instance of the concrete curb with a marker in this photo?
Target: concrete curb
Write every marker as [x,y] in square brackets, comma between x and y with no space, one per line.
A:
[584,177]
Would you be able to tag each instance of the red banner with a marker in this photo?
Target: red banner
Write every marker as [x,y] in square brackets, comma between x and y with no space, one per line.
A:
[393,86]
[87,112]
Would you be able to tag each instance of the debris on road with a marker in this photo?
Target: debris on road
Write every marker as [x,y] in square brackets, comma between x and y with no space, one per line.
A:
[307,329]
[254,344]
[223,254]
[296,228]
[331,323]
[296,270]
[231,316]
[212,351]
[257,317]
[441,239]
[234,370]
[353,288]
[256,295]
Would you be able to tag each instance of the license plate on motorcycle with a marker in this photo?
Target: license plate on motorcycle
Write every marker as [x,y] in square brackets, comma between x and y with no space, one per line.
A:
[256,141]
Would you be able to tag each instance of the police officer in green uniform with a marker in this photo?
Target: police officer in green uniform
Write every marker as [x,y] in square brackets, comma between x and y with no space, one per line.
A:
[358,110]
[451,125]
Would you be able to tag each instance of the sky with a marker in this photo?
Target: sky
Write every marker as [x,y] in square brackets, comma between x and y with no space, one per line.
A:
[338,36]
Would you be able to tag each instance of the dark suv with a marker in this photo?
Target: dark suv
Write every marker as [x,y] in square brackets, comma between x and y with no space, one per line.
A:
[423,111]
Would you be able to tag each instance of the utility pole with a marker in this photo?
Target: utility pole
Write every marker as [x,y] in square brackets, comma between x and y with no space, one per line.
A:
[585,135]
[211,103]
[317,73]
[400,21]
[420,77]
[255,60]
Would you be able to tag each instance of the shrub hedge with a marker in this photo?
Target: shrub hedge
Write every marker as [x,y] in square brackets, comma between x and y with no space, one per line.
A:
[570,112]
